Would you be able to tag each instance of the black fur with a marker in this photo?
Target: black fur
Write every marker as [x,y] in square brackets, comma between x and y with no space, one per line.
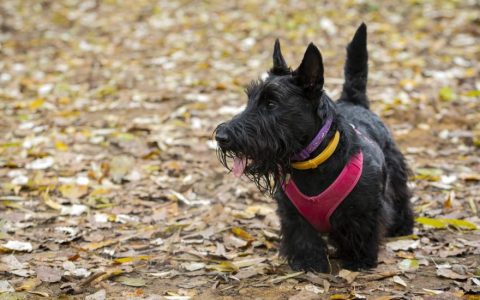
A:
[283,114]
[356,69]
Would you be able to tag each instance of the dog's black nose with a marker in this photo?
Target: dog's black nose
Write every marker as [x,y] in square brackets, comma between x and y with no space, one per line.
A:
[221,137]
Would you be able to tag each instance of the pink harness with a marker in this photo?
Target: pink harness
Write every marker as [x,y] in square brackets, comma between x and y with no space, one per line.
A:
[318,209]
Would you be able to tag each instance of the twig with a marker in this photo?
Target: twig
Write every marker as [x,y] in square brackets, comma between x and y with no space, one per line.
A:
[288,276]
[372,277]
[91,278]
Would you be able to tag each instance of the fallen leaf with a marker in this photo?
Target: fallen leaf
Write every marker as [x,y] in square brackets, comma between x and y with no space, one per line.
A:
[399,281]
[470,176]
[129,259]
[99,295]
[73,210]
[12,262]
[224,266]
[249,262]
[408,265]
[94,246]
[349,276]
[37,103]
[443,223]
[73,191]
[443,253]
[191,284]
[51,203]
[48,274]
[40,293]
[461,224]
[23,272]
[41,163]
[177,297]
[193,266]
[131,281]
[428,174]
[242,234]
[60,146]
[433,292]
[29,284]
[231,241]
[304,295]
[314,289]
[260,210]
[447,273]
[5,287]
[18,246]
[120,166]
[288,276]
[249,272]
[340,297]
[446,93]
[71,269]
[431,222]
[103,275]
[403,245]
[472,286]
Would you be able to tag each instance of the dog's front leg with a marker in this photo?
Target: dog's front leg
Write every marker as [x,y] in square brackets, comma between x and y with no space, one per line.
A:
[301,244]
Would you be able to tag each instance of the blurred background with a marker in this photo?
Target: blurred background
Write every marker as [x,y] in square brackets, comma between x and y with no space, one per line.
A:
[107,162]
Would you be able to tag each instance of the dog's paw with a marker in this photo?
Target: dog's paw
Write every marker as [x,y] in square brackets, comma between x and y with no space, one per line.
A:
[312,264]
[359,265]
[401,230]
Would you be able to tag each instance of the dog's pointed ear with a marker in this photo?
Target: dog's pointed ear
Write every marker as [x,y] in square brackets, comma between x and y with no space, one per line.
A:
[280,67]
[309,74]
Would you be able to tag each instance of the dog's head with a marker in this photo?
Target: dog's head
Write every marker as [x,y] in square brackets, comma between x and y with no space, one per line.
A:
[282,115]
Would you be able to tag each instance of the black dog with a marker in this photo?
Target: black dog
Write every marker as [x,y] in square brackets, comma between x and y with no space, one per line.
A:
[288,110]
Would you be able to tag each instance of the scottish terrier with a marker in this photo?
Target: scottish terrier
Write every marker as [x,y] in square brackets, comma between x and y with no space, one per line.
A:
[332,167]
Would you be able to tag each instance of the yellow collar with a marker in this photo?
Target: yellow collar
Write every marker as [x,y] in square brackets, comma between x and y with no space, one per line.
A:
[321,158]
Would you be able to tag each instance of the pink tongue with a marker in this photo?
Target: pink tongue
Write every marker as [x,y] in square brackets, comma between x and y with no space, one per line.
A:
[239,164]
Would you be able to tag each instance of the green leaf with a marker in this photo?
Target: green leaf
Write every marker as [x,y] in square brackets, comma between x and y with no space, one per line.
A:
[431,222]
[443,223]
[224,266]
[408,265]
[473,93]
[461,224]
[431,174]
[446,94]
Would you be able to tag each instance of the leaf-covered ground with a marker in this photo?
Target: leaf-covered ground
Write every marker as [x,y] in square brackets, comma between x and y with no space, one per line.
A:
[110,187]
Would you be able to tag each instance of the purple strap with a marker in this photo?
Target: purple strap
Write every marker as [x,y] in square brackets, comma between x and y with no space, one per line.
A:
[317,140]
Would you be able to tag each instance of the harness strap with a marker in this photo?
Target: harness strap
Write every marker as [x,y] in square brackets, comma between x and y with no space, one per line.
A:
[318,209]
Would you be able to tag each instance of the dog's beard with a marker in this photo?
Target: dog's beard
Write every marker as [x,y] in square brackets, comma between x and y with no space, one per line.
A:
[259,151]
[264,168]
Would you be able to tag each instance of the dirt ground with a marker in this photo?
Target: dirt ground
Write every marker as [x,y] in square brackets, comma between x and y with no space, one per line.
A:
[109,183]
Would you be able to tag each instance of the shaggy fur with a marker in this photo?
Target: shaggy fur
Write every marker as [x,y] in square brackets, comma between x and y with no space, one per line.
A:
[283,114]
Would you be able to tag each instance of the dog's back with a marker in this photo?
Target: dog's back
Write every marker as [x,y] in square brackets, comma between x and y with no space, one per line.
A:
[353,105]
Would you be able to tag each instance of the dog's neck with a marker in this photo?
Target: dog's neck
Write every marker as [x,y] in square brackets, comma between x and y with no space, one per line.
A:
[315,142]
[345,149]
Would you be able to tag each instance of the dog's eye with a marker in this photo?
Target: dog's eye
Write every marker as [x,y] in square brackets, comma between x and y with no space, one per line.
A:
[270,104]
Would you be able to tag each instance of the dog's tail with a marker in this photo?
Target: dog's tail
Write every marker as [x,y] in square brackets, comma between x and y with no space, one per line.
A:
[356,70]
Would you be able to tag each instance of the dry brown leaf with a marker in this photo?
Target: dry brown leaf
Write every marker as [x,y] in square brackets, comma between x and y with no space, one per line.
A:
[72,191]
[349,276]
[447,273]
[29,284]
[48,274]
